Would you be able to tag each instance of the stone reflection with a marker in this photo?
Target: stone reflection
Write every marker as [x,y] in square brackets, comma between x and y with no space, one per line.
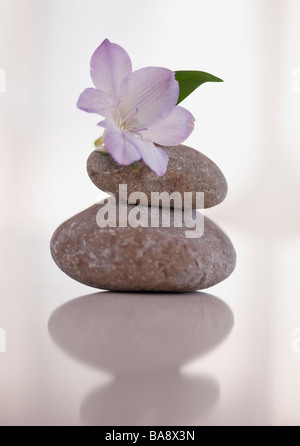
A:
[143,340]
[157,398]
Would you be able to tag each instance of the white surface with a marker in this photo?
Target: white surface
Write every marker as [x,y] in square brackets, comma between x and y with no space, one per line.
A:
[251,378]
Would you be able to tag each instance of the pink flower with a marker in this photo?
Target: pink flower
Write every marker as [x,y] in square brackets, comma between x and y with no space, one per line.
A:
[139,108]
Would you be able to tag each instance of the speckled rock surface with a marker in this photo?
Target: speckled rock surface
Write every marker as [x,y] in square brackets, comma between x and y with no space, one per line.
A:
[188,171]
[141,258]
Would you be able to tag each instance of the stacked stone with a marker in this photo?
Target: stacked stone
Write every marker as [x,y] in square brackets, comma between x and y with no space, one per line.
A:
[143,257]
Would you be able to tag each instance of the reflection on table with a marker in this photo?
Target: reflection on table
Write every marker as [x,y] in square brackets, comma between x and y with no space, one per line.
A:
[143,340]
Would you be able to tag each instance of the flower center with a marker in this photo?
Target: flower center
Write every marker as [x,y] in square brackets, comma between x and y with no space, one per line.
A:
[124,121]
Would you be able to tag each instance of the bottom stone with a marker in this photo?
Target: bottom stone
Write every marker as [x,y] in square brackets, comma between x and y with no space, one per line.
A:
[142,258]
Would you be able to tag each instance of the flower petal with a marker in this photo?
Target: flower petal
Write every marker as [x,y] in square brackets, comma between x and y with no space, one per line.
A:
[147,96]
[173,130]
[106,123]
[155,157]
[95,101]
[120,147]
[110,64]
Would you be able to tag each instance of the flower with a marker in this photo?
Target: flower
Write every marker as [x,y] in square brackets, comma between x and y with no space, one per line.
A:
[139,108]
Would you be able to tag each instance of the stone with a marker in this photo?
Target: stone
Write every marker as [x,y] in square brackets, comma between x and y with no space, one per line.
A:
[188,171]
[141,258]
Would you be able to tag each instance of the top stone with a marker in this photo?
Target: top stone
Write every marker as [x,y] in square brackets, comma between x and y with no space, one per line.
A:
[188,171]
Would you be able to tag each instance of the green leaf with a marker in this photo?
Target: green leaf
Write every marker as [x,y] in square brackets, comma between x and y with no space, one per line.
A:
[98,142]
[190,80]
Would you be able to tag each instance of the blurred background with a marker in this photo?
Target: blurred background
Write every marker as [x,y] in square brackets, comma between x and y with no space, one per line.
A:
[248,125]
